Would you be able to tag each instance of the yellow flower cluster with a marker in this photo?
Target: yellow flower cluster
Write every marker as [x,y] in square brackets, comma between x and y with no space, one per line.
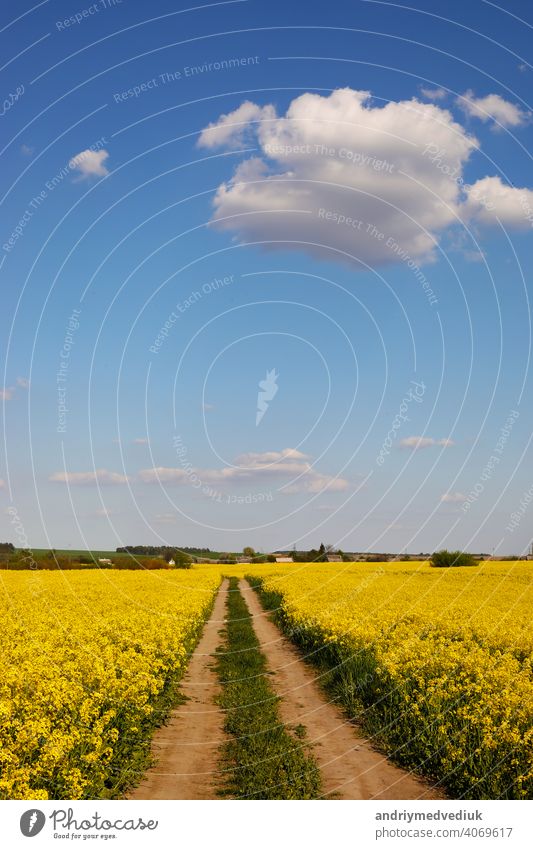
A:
[88,664]
[436,662]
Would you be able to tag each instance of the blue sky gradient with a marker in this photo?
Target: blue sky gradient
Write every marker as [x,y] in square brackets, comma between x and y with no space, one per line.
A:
[179,318]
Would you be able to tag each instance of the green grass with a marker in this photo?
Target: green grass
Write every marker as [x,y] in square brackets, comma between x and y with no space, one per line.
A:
[263,759]
[42,558]
[73,552]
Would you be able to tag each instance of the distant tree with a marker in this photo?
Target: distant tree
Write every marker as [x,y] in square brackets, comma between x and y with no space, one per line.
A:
[248,551]
[445,559]
[6,548]
[313,555]
[181,560]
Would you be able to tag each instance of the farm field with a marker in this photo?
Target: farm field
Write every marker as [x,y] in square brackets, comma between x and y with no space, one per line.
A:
[436,664]
[433,665]
[88,666]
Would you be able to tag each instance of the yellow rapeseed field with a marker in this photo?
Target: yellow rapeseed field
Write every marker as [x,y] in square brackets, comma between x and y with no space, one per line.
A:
[88,664]
[435,662]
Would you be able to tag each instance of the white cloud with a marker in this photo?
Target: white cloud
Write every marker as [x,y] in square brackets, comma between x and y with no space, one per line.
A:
[288,463]
[90,163]
[433,93]
[23,382]
[492,107]
[490,200]
[7,393]
[453,497]
[2,483]
[100,476]
[265,458]
[418,442]
[333,167]
[315,482]
[235,127]
[163,474]
[140,441]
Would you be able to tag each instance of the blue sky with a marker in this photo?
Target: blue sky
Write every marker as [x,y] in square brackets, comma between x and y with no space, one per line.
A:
[336,204]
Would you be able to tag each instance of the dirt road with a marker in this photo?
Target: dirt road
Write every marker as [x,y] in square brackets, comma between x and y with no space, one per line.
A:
[351,768]
[186,749]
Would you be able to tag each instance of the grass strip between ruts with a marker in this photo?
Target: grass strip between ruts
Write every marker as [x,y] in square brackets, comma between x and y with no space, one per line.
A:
[264,760]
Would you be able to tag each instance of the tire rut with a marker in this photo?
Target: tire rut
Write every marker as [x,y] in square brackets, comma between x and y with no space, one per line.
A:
[186,749]
[351,768]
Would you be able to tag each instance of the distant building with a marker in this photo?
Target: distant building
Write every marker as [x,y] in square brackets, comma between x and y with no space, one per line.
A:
[105,561]
[284,559]
[171,562]
[243,559]
[334,558]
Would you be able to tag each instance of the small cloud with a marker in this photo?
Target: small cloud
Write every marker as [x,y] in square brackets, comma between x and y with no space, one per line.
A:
[257,460]
[2,483]
[433,93]
[453,497]
[490,202]
[233,128]
[316,482]
[90,163]
[7,393]
[208,407]
[26,150]
[288,462]
[103,513]
[417,442]
[163,474]
[142,440]
[23,382]
[492,107]
[523,68]
[100,476]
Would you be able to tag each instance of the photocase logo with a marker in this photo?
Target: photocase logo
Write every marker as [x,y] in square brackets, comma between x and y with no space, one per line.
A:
[32,822]
[267,390]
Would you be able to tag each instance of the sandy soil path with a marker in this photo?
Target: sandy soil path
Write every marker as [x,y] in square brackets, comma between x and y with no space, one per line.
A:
[186,749]
[350,767]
